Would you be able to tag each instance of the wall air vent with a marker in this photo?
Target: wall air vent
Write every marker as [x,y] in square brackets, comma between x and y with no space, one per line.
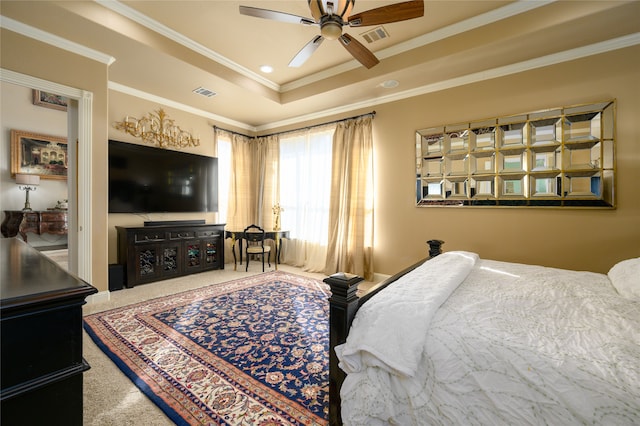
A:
[375,34]
[204,92]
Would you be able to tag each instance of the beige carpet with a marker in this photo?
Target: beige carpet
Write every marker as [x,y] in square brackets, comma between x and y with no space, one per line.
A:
[58,256]
[110,398]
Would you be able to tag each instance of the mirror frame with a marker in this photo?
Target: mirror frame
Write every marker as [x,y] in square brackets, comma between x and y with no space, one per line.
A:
[560,157]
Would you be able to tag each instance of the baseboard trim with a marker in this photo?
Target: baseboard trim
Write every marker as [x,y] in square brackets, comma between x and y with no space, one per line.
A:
[102,296]
[49,248]
[377,277]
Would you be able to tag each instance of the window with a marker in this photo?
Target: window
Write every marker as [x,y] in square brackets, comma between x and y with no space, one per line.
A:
[305,184]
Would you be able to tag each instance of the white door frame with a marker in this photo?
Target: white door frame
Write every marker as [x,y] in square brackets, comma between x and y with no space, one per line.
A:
[79,136]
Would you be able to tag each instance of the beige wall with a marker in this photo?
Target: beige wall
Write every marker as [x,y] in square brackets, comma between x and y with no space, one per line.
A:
[567,238]
[30,57]
[578,239]
[121,105]
[581,239]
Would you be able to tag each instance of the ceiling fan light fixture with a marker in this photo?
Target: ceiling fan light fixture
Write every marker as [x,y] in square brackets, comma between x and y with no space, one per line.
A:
[331,30]
[320,8]
[332,15]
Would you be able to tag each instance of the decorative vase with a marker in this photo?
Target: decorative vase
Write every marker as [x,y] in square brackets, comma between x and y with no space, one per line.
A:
[276,217]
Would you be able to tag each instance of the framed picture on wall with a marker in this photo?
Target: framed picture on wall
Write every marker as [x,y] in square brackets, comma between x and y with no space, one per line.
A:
[49,100]
[38,154]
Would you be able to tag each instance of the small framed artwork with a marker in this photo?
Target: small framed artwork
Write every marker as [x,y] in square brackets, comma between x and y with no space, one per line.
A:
[38,154]
[49,100]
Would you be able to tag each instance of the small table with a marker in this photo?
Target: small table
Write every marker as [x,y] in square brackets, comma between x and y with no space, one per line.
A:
[269,235]
[40,222]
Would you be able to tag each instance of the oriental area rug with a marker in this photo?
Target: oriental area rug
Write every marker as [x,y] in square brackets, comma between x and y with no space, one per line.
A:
[252,351]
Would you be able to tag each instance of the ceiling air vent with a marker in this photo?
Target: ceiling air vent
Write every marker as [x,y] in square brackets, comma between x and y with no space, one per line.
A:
[204,92]
[375,34]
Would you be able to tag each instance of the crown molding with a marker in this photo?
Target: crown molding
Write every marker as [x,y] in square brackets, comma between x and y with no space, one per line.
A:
[177,105]
[556,58]
[53,40]
[543,61]
[183,40]
[519,67]
[496,15]
[501,13]
[461,27]
[19,79]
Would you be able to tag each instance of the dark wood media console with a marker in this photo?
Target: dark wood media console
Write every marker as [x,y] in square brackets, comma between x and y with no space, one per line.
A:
[169,249]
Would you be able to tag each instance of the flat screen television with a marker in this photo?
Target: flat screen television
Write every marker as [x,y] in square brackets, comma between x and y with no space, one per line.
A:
[144,179]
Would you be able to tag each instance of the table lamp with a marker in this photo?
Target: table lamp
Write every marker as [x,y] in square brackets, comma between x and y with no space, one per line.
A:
[27,183]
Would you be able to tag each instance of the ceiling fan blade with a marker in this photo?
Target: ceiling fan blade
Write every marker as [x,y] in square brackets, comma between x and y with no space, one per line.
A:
[275,16]
[358,51]
[387,14]
[306,52]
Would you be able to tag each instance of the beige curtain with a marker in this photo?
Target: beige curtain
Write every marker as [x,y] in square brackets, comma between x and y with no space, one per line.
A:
[266,179]
[241,209]
[254,183]
[238,207]
[350,247]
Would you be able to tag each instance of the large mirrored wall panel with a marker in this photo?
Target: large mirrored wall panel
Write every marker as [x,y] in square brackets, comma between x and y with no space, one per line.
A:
[561,157]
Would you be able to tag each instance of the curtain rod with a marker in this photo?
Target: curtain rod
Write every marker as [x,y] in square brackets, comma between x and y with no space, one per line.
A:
[232,132]
[372,113]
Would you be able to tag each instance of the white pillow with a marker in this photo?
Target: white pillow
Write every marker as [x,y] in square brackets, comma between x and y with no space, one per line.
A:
[625,277]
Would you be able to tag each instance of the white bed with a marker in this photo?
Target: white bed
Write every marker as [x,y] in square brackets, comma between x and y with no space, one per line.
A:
[465,341]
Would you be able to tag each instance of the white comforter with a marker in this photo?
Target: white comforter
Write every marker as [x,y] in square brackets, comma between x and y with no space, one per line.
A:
[508,344]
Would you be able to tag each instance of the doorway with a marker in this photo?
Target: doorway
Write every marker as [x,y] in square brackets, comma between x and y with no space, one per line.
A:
[79,137]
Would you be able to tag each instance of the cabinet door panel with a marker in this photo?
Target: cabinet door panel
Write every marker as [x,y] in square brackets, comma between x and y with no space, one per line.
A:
[211,259]
[171,259]
[193,255]
[146,260]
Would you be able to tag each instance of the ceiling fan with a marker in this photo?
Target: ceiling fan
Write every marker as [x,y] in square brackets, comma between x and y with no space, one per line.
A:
[332,15]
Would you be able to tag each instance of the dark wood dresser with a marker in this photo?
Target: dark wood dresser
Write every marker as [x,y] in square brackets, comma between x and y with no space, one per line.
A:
[41,330]
[44,222]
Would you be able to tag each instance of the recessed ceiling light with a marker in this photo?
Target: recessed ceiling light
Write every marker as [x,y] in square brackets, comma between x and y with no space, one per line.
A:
[389,84]
[266,69]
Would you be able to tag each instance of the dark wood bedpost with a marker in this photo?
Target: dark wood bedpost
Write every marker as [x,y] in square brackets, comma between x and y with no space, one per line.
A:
[435,247]
[343,305]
